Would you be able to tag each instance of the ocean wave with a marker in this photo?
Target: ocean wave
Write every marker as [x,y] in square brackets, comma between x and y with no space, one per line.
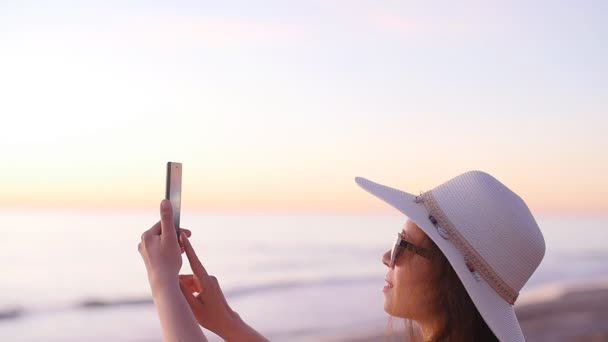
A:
[292,284]
[98,303]
[95,303]
[11,313]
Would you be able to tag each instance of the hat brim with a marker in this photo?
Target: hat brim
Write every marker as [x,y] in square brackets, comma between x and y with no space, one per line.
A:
[498,314]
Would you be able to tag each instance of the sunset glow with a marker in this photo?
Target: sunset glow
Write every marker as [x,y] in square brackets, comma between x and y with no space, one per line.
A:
[279,109]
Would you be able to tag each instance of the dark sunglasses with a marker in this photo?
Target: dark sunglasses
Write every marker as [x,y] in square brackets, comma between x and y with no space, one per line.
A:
[402,244]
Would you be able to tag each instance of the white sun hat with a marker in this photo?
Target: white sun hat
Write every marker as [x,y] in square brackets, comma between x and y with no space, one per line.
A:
[486,232]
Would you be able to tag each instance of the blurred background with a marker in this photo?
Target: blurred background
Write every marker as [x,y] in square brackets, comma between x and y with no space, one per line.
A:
[273,108]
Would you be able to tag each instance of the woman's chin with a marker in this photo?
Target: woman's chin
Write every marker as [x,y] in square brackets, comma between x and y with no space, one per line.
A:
[387,305]
[387,309]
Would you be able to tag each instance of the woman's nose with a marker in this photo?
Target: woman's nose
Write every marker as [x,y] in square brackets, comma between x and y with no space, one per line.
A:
[386,258]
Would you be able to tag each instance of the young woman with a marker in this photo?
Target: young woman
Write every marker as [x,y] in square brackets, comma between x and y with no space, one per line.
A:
[454,273]
[423,287]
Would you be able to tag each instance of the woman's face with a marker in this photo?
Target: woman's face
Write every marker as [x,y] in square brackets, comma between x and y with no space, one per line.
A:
[407,293]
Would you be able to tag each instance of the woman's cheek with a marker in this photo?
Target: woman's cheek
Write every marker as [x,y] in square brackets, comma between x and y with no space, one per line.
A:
[400,298]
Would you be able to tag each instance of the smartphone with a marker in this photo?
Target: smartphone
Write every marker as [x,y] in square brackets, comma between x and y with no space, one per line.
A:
[173,191]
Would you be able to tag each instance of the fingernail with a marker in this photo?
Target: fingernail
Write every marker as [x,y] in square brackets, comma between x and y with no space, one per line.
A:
[165,204]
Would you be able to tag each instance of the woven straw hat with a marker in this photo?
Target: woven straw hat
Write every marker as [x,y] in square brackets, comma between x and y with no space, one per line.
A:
[488,235]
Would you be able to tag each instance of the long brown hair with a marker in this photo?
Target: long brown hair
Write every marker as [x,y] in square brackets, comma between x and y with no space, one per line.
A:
[457,317]
[460,321]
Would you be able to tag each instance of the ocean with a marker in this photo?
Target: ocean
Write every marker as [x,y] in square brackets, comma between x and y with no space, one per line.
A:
[77,275]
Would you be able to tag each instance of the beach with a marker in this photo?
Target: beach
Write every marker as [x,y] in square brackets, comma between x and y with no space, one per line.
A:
[567,313]
[564,312]
[322,284]
[308,133]
[552,313]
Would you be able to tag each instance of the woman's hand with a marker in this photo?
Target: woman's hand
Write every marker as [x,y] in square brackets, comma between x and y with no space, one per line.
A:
[160,250]
[205,297]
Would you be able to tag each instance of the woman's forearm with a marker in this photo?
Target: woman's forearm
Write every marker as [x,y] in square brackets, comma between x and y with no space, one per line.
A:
[176,319]
[243,332]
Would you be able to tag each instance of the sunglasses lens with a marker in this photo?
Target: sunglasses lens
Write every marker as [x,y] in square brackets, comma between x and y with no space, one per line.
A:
[395,253]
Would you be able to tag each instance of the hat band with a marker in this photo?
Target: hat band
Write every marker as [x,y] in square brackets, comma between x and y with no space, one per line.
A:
[472,257]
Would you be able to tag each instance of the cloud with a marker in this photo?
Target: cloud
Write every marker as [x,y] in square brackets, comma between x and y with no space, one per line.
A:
[227,31]
[152,30]
[406,20]
[428,27]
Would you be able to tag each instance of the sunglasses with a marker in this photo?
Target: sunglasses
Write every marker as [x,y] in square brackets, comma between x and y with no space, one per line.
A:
[402,244]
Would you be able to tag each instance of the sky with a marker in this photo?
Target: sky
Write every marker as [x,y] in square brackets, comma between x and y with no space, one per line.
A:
[278,105]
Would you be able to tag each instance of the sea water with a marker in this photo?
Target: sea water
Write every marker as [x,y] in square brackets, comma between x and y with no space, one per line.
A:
[77,275]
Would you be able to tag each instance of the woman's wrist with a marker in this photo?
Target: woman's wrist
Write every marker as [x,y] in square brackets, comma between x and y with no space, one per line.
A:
[238,330]
[163,285]
[232,328]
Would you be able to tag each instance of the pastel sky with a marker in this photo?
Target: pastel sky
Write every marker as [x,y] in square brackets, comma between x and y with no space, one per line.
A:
[278,105]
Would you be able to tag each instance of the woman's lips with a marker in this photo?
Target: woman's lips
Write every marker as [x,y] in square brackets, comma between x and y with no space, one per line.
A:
[388,286]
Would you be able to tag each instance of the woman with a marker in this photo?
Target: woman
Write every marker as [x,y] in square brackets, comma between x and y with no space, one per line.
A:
[454,273]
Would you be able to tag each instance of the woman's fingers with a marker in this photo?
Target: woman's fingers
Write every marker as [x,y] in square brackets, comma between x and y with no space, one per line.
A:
[166,221]
[189,281]
[195,263]
[216,284]
[183,234]
[193,302]
[154,230]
